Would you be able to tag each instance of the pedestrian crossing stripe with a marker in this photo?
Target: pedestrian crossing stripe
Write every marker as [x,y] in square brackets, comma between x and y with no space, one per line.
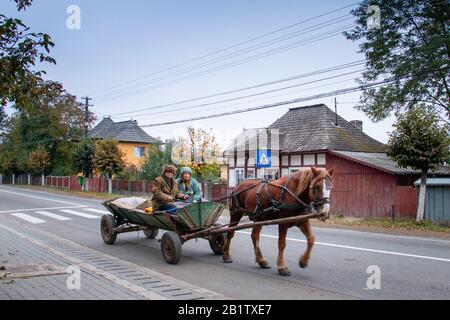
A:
[54,216]
[28,218]
[96,210]
[31,217]
[80,214]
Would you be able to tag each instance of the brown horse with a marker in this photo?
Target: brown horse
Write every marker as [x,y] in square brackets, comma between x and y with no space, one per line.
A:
[295,194]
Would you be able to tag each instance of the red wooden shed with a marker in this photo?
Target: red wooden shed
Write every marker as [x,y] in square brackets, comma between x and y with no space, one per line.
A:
[366,181]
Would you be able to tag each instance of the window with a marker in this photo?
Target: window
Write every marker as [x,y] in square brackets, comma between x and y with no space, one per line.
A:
[239,175]
[309,159]
[139,152]
[250,173]
[321,159]
[271,174]
[296,160]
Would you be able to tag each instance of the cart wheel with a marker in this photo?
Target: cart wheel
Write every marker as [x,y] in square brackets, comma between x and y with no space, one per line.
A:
[107,225]
[151,233]
[171,247]
[216,242]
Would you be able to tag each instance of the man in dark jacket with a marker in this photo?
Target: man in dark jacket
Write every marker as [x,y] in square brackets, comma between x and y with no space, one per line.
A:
[165,189]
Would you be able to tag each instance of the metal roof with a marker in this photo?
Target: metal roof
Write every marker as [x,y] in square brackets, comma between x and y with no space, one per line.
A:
[435,182]
[382,162]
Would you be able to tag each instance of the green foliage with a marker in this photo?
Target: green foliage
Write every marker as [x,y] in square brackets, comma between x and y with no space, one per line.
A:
[83,157]
[20,51]
[7,162]
[199,151]
[412,46]
[131,173]
[2,118]
[38,161]
[108,159]
[156,159]
[419,140]
[51,120]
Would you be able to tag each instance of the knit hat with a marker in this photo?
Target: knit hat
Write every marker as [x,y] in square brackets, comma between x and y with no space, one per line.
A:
[169,168]
[186,170]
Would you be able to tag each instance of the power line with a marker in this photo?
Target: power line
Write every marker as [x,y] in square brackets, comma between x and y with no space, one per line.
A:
[259,56]
[245,51]
[267,106]
[260,99]
[295,77]
[256,94]
[303,99]
[226,48]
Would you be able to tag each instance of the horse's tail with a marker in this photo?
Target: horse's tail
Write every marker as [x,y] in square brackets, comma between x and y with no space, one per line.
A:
[233,202]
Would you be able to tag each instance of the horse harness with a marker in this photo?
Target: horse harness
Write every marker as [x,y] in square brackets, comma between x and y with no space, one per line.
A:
[277,205]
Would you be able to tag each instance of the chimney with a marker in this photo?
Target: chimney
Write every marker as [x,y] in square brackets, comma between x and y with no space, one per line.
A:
[358,124]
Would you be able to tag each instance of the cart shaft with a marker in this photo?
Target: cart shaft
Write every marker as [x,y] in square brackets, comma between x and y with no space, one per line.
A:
[216,230]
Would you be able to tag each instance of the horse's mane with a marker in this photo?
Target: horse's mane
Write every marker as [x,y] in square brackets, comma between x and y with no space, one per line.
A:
[305,177]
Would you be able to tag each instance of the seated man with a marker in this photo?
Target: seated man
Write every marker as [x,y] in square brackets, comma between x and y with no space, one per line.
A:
[165,190]
[188,185]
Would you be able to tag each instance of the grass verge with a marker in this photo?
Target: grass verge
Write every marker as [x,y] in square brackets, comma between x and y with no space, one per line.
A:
[388,224]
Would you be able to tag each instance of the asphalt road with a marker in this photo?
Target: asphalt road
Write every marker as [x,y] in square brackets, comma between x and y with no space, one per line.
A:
[410,267]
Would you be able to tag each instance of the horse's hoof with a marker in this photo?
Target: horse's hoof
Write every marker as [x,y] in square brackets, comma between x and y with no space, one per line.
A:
[227,260]
[303,264]
[264,264]
[284,272]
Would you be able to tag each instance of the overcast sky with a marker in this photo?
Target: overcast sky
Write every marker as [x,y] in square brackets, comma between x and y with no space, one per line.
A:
[122,44]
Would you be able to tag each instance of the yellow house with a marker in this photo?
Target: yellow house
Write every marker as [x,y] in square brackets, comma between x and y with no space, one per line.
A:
[133,141]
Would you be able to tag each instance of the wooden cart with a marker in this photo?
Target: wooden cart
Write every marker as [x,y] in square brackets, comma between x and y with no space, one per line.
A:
[188,219]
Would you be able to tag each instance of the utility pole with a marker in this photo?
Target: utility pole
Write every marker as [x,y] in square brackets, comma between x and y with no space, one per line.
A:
[86,114]
[335,111]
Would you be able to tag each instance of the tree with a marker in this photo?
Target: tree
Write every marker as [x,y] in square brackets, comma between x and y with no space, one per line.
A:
[52,120]
[420,142]
[130,172]
[108,159]
[6,162]
[155,160]
[83,157]
[412,46]
[2,119]
[38,161]
[20,51]
[199,151]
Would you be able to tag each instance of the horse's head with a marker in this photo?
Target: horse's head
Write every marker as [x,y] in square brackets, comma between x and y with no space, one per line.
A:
[317,183]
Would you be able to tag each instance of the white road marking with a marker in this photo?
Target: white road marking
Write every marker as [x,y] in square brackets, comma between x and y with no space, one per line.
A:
[358,248]
[28,218]
[52,215]
[146,293]
[40,198]
[80,214]
[97,211]
[34,209]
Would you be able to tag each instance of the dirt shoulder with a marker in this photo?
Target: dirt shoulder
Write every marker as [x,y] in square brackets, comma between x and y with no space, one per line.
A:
[406,227]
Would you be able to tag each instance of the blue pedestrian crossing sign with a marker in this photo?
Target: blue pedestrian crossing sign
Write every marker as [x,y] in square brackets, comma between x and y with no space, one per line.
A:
[264,158]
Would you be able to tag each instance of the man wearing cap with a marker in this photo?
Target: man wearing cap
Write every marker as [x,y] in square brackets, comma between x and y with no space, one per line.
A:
[188,185]
[165,189]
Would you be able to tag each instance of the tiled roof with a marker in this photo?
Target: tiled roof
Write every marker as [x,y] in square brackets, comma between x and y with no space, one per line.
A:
[126,131]
[312,128]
